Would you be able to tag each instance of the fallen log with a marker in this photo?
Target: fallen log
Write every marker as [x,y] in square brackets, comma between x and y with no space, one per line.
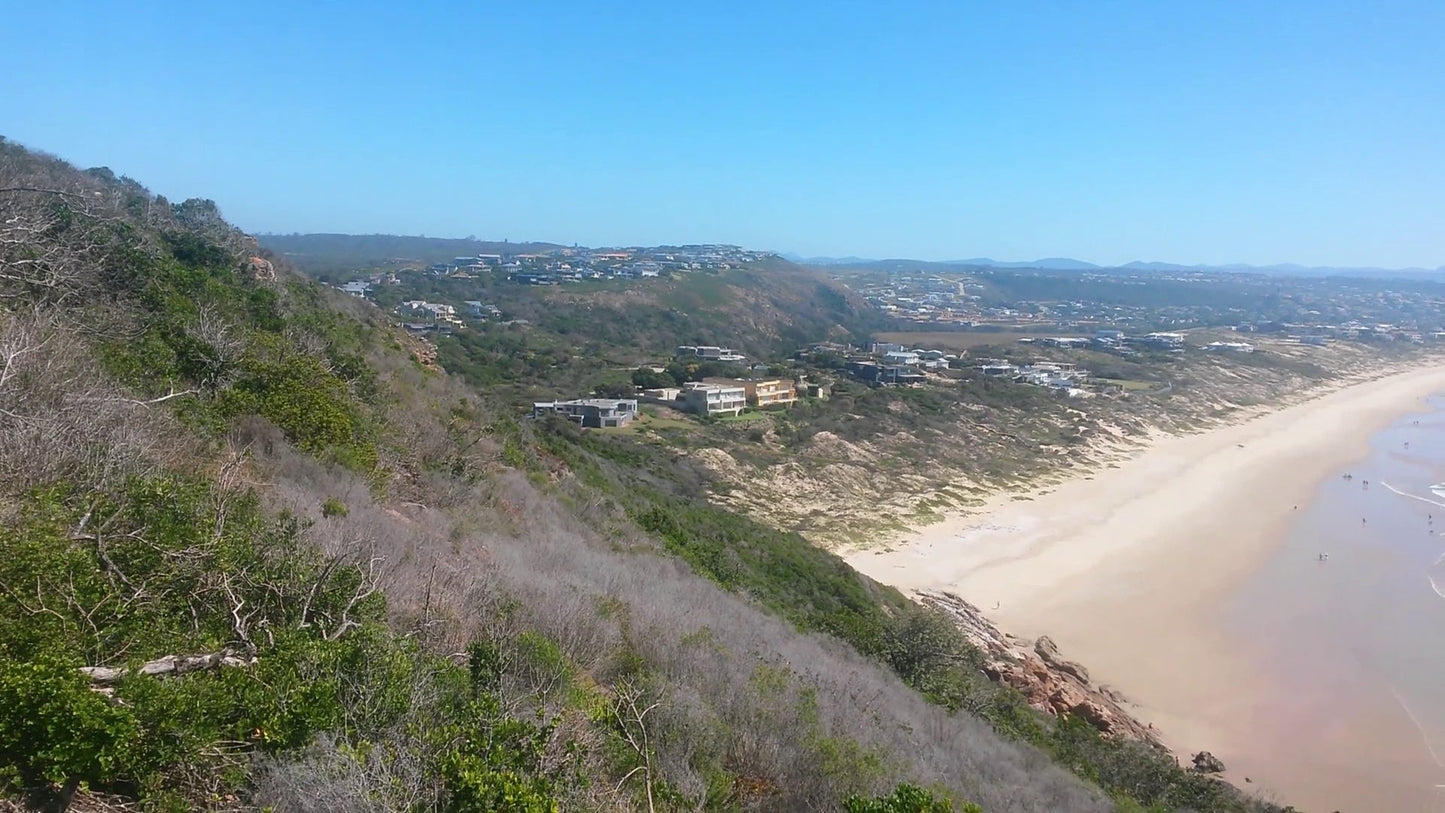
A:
[168,665]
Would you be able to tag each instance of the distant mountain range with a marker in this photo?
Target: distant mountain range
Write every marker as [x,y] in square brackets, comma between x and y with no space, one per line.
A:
[1070,264]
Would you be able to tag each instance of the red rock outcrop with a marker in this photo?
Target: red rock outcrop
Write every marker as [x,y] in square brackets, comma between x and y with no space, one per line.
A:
[261,268]
[1044,677]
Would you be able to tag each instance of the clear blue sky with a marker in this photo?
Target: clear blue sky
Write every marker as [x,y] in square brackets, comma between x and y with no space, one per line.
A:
[1309,132]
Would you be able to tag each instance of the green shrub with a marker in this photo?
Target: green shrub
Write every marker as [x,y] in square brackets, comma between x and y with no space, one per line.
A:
[906,798]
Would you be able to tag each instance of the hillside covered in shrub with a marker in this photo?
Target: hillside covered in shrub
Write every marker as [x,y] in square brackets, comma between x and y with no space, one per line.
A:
[256,551]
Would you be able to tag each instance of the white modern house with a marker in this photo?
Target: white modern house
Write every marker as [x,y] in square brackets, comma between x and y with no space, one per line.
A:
[713,399]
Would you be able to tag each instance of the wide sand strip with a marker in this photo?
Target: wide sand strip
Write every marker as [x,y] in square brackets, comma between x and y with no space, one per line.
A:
[1129,568]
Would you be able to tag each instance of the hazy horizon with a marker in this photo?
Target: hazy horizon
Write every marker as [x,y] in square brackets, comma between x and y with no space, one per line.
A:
[1303,133]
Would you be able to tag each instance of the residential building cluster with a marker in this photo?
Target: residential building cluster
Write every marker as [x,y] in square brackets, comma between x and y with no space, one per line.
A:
[888,362]
[1143,301]
[1323,334]
[1057,375]
[709,352]
[713,397]
[577,264]
[725,396]
[1111,340]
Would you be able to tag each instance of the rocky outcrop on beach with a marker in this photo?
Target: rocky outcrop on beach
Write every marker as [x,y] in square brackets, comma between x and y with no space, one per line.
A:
[1047,680]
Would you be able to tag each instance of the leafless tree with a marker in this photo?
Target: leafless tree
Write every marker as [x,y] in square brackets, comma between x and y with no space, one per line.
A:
[629,711]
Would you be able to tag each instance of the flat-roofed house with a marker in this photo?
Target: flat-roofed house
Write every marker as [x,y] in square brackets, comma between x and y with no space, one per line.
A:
[762,393]
[594,412]
[713,399]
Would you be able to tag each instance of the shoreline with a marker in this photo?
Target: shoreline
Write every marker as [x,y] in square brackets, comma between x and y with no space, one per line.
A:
[1128,567]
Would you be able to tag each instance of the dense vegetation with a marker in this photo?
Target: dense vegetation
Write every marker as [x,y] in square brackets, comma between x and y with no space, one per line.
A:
[574,337]
[817,591]
[255,552]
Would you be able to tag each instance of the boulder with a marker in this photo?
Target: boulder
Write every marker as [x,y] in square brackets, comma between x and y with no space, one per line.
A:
[260,268]
[1113,694]
[1049,652]
[1205,762]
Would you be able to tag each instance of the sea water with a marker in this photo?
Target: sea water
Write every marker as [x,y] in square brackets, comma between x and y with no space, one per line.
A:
[1347,624]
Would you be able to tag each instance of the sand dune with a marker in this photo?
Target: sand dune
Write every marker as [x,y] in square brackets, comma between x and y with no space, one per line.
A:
[1128,568]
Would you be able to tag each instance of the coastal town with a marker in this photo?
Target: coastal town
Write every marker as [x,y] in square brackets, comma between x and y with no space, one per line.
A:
[1305,308]
[964,325]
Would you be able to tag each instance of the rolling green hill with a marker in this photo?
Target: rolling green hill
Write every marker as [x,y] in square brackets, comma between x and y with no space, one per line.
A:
[550,339]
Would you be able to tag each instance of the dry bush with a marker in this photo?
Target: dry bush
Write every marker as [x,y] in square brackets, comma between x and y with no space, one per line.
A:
[61,418]
[611,605]
[321,779]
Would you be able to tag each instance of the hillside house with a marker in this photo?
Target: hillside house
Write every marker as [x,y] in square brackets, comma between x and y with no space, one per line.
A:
[763,393]
[713,399]
[667,396]
[998,369]
[710,352]
[429,310]
[1163,341]
[873,373]
[590,412]
[1066,342]
[900,357]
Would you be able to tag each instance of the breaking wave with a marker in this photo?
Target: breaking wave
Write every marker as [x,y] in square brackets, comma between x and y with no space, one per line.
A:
[1435,573]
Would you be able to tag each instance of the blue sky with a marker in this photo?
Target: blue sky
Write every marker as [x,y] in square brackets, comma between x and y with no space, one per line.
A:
[1210,132]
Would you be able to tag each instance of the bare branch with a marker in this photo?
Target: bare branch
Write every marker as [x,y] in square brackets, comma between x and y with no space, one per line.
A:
[370,583]
[173,394]
[631,717]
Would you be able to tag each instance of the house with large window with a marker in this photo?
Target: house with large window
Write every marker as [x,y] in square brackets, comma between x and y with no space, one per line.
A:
[713,399]
[592,412]
[763,393]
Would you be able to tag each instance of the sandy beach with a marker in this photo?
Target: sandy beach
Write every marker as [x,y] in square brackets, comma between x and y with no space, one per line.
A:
[1128,568]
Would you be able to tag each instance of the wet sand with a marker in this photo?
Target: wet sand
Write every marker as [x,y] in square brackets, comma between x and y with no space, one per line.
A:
[1135,571]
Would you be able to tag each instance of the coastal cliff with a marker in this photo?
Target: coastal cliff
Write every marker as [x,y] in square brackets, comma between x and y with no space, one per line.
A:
[1048,681]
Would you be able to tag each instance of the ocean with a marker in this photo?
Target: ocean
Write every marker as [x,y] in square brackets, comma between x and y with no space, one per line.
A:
[1346,625]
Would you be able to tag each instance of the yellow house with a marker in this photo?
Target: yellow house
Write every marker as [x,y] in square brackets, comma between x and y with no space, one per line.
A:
[767,393]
